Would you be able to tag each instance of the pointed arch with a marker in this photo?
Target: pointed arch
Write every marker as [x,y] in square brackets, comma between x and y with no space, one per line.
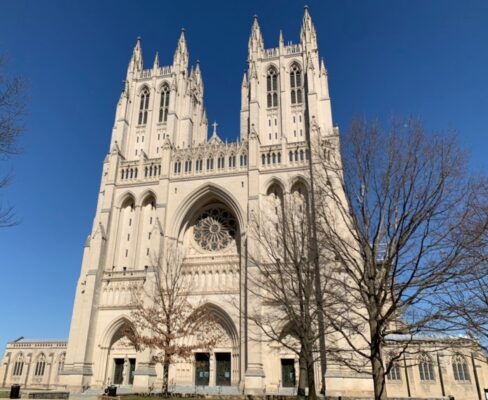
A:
[145,195]
[197,199]
[224,320]
[113,331]
[124,197]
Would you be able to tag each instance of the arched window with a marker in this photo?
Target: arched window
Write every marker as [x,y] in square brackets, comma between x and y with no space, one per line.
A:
[232,161]
[272,88]
[210,163]
[394,374]
[460,368]
[290,155]
[301,155]
[40,365]
[61,362]
[177,167]
[198,165]
[296,155]
[143,106]
[135,173]
[164,104]
[296,84]
[145,171]
[122,174]
[426,368]
[221,162]
[274,158]
[188,166]
[18,366]
[263,159]
[243,160]
[279,157]
[268,158]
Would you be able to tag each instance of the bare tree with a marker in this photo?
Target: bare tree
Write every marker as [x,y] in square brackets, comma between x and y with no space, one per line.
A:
[389,219]
[12,109]
[467,302]
[284,278]
[165,320]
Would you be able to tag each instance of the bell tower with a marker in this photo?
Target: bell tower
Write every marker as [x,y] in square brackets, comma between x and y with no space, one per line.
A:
[285,88]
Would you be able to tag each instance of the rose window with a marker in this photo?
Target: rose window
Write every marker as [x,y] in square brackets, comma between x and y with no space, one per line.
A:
[215,228]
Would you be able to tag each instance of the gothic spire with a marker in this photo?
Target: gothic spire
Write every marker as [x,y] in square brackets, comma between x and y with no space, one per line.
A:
[308,35]
[181,54]
[281,41]
[156,61]
[256,43]
[135,63]
[323,70]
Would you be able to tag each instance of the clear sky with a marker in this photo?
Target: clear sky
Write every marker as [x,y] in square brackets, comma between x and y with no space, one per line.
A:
[411,57]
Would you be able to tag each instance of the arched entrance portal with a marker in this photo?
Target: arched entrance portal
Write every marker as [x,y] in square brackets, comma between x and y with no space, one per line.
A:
[121,355]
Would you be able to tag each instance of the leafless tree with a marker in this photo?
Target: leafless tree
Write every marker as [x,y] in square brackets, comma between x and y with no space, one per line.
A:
[12,109]
[467,302]
[283,279]
[165,319]
[392,206]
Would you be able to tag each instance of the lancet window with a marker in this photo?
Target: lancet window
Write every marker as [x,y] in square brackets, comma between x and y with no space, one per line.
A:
[164,104]
[460,368]
[272,88]
[296,84]
[143,106]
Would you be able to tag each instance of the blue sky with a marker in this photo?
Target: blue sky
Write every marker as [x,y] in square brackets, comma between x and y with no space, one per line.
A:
[415,57]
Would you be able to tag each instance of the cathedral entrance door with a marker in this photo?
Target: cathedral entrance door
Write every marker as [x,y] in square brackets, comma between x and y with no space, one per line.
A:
[202,369]
[118,371]
[223,369]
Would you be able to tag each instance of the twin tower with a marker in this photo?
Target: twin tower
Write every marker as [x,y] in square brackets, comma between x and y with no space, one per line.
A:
[282,87]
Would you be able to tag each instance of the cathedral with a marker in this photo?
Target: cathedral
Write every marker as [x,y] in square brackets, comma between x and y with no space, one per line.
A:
[164,179]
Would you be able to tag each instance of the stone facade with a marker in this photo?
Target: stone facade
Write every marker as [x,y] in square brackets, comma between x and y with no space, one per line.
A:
[160,178]
[34,364]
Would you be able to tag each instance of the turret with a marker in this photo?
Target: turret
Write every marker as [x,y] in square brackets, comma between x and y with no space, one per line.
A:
[156,62]
[181,54]
[256,43]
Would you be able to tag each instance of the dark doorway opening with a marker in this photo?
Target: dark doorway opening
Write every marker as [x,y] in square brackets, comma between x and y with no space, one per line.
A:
[202,369]
[119,371]
[223,369]
[132,368]
[288,372]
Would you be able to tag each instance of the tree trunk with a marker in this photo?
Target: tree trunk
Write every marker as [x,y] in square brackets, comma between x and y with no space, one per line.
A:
[302,378]
[379,381]
[165,389]
[312,395]
[378,369]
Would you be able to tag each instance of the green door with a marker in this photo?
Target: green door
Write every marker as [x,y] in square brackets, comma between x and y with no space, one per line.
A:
[202,369]
[223,369]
